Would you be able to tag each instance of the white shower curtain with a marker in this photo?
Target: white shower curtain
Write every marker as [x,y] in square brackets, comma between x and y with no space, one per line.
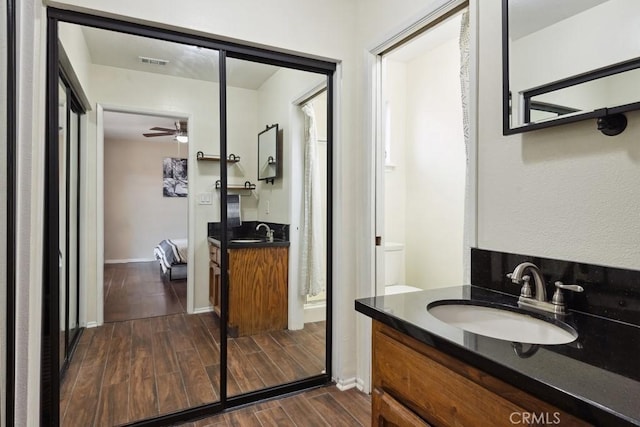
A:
[465,43]
[312,245]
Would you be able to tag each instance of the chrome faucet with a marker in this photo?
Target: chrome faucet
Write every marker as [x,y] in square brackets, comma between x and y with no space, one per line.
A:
[518,277]
[269,230]
[540,302]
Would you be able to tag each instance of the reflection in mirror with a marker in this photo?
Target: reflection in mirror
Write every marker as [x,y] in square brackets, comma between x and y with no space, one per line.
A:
[276,290]
[552,75]
[269,162]
[150,357]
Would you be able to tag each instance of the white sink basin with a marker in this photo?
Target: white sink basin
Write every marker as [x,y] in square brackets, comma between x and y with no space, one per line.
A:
[502,323]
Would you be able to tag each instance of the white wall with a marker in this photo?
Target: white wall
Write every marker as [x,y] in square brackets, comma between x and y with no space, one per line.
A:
[435,169]
[136,214]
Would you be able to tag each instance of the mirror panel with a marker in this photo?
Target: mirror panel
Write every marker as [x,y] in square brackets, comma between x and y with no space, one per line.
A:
[150,357]
[556,71]
[269,153]
[276,333]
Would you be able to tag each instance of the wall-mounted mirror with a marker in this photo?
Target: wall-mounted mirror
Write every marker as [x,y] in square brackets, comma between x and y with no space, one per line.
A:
[568,61]
[269,154]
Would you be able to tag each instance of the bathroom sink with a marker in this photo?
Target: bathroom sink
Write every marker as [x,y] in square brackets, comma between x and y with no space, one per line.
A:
[247,240]
[502,322]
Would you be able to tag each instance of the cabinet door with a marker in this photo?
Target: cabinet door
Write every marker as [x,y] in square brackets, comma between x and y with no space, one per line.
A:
[388,412]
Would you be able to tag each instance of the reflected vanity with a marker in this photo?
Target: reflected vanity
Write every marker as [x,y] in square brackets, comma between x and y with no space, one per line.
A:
[550,78]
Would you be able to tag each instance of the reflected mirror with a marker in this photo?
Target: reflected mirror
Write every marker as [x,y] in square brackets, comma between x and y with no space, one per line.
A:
[556,72]
[269,147]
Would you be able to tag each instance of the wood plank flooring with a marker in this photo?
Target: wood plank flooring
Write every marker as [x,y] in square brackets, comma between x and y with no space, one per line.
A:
[138,290]
[126,371]
[326,406]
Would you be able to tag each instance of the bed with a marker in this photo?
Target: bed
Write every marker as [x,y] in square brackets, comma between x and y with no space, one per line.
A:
[171,253]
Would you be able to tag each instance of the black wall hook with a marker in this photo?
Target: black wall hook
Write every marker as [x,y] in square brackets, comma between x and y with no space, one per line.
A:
[612,124]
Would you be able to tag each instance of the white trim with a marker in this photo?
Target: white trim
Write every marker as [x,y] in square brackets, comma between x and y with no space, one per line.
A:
[200,310]
[315,312]
[92,325]
[126,261]
[347,384]
[416,25]
[100,261]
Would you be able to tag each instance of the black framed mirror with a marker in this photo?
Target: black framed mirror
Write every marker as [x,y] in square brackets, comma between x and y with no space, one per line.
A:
[269,154]
[555,72]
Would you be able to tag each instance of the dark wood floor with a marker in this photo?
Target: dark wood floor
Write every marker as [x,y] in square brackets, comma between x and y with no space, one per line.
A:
[138,290]
[326,406]
[126,371]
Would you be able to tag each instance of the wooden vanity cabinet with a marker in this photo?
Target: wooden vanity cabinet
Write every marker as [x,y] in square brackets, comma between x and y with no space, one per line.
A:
[258,288]
[416,385]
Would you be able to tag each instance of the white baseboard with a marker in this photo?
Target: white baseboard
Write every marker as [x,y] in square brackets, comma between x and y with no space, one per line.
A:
[346,384]
[92,325]
[315,312]
[126,261]
[207,309]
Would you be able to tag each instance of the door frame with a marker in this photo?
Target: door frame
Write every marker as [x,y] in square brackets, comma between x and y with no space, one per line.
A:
[99,278]
[372,273]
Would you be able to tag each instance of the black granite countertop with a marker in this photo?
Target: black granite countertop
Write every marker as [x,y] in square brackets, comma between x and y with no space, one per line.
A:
[596,378]
[249,242]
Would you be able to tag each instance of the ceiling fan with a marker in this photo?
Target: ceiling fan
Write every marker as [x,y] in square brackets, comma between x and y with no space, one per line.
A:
[180,131]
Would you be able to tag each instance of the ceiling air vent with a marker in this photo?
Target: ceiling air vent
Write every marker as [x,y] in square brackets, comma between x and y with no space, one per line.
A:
[153,61]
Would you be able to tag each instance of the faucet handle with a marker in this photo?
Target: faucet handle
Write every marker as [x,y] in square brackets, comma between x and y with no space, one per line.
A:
[574,288]
[525,291]
[558,297]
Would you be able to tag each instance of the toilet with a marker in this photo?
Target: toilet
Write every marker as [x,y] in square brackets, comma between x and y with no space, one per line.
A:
[394,271]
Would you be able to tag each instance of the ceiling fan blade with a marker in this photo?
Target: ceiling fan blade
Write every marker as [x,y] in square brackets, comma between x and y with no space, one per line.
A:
[163,129]
[160,134]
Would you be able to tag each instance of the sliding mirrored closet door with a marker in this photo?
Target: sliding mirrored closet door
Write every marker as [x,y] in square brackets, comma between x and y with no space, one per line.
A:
[241,137]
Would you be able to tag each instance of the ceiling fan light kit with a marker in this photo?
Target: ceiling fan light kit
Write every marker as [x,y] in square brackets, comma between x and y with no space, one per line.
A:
[180,133]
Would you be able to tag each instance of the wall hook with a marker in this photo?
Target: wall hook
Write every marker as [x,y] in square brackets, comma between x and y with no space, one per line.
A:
[612,124]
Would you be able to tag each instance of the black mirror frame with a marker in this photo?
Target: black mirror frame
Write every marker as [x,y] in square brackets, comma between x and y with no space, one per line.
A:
[278,155]
[507,98]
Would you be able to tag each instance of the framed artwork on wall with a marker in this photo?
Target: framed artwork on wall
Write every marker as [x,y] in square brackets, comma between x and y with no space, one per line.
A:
[174,177]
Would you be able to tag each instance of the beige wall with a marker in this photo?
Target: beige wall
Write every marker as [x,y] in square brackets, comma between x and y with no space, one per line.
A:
[136,214]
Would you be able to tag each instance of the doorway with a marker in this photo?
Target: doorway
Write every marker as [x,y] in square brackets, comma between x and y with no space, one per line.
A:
[422,168]
[145,209]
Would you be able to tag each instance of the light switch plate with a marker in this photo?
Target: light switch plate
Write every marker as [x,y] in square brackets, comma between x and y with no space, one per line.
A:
[205,199]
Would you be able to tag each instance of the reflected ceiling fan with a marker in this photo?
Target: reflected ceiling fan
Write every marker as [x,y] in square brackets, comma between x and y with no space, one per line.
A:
[180,131]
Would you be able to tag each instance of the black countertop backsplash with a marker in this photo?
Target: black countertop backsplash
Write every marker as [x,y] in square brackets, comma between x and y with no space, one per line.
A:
[596,377]
[248,229]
